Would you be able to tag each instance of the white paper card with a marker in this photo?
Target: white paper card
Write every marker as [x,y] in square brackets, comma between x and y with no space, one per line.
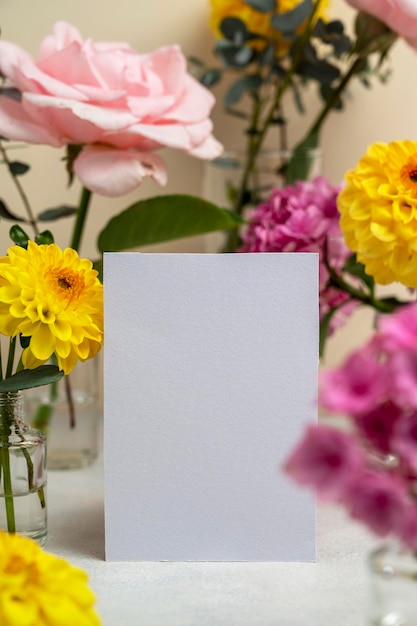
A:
[210,371]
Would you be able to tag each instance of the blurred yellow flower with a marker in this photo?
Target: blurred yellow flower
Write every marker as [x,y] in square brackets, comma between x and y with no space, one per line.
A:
[378,210]
[54,298]
[255,21]
[40,589]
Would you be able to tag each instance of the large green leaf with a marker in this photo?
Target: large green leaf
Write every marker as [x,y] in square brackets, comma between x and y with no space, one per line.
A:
[161,219]
[26,379]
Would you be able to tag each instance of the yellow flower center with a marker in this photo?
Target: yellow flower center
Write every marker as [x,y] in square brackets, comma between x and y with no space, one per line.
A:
[408,175]
[66,284]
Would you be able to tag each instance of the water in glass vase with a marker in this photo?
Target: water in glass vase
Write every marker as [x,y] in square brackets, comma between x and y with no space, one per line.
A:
[23,472]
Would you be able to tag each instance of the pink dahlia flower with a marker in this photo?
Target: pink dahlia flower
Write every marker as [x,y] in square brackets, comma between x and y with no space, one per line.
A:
[326,460]
[118,104]
[304,218]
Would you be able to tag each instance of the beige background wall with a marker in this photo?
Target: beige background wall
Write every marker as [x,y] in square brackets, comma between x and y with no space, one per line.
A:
[382,113]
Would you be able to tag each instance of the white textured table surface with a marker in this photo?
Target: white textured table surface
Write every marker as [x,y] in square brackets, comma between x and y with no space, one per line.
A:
[331,592]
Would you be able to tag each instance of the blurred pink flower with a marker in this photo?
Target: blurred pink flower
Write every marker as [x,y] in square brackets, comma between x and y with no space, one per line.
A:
[107,96]
[304,218]
[376,426]
[379,501]
[399,15]
[400,330]
[408,531]
[402,375]
[404,441]
[327,460]
[357,385]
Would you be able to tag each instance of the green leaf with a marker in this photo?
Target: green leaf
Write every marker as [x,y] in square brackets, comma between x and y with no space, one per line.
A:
[26,379]
[263,6]
[17,168]
[235,30]
[357,269]
[319,70]
[210,77]
[56,213]
[5,213]
[289,22]
[161,219]
[235,56]
[45,237]
[18,236]
[240,87]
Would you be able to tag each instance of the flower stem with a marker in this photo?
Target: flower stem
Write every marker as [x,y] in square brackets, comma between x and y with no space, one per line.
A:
[259,133]
[20,191]
[82,211]
[5,465]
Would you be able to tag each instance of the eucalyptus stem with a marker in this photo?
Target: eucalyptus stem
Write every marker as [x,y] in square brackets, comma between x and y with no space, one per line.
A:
[20,190]
[258,134]
[82,211]
[4,450]
[7,479]
[353,69]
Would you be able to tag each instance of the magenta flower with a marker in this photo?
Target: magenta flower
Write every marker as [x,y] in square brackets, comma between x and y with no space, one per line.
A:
[402,375]
[357,386]
[377,426]
[380,501]
[399,15]
[304,218]
[404,441]
[408,531]
[327,460]
[400,330]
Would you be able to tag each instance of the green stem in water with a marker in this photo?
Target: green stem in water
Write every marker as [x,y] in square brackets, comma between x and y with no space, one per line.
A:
[7,480]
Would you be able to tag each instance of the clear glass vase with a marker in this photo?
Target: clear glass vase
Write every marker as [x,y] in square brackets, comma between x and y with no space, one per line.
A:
[69,412]
[23,472]
[222,179]
[393,587]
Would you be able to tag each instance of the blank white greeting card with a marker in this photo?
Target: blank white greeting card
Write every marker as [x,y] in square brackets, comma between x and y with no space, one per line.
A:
[210,372]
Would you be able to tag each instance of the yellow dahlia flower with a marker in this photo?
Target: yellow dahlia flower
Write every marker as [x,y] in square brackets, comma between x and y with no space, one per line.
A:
[40,589]
[378,210]
[56,299]
[255,21]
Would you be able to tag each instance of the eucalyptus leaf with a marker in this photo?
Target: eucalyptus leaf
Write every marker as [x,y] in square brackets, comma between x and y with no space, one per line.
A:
[18,236]
[164,218]
[7,215]
[320,70]
[26,379]
[56,213]
[263,6]
[17,168]
[210,77]
[235,56]
[45,237]
[12,93]
[234,30]
[289,21]
[237,90]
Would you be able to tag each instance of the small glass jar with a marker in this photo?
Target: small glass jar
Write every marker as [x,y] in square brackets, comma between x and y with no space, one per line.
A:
[22,472]
[393,586]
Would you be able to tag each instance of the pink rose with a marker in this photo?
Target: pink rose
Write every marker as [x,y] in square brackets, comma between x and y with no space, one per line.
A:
[399,15]
[120,104]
